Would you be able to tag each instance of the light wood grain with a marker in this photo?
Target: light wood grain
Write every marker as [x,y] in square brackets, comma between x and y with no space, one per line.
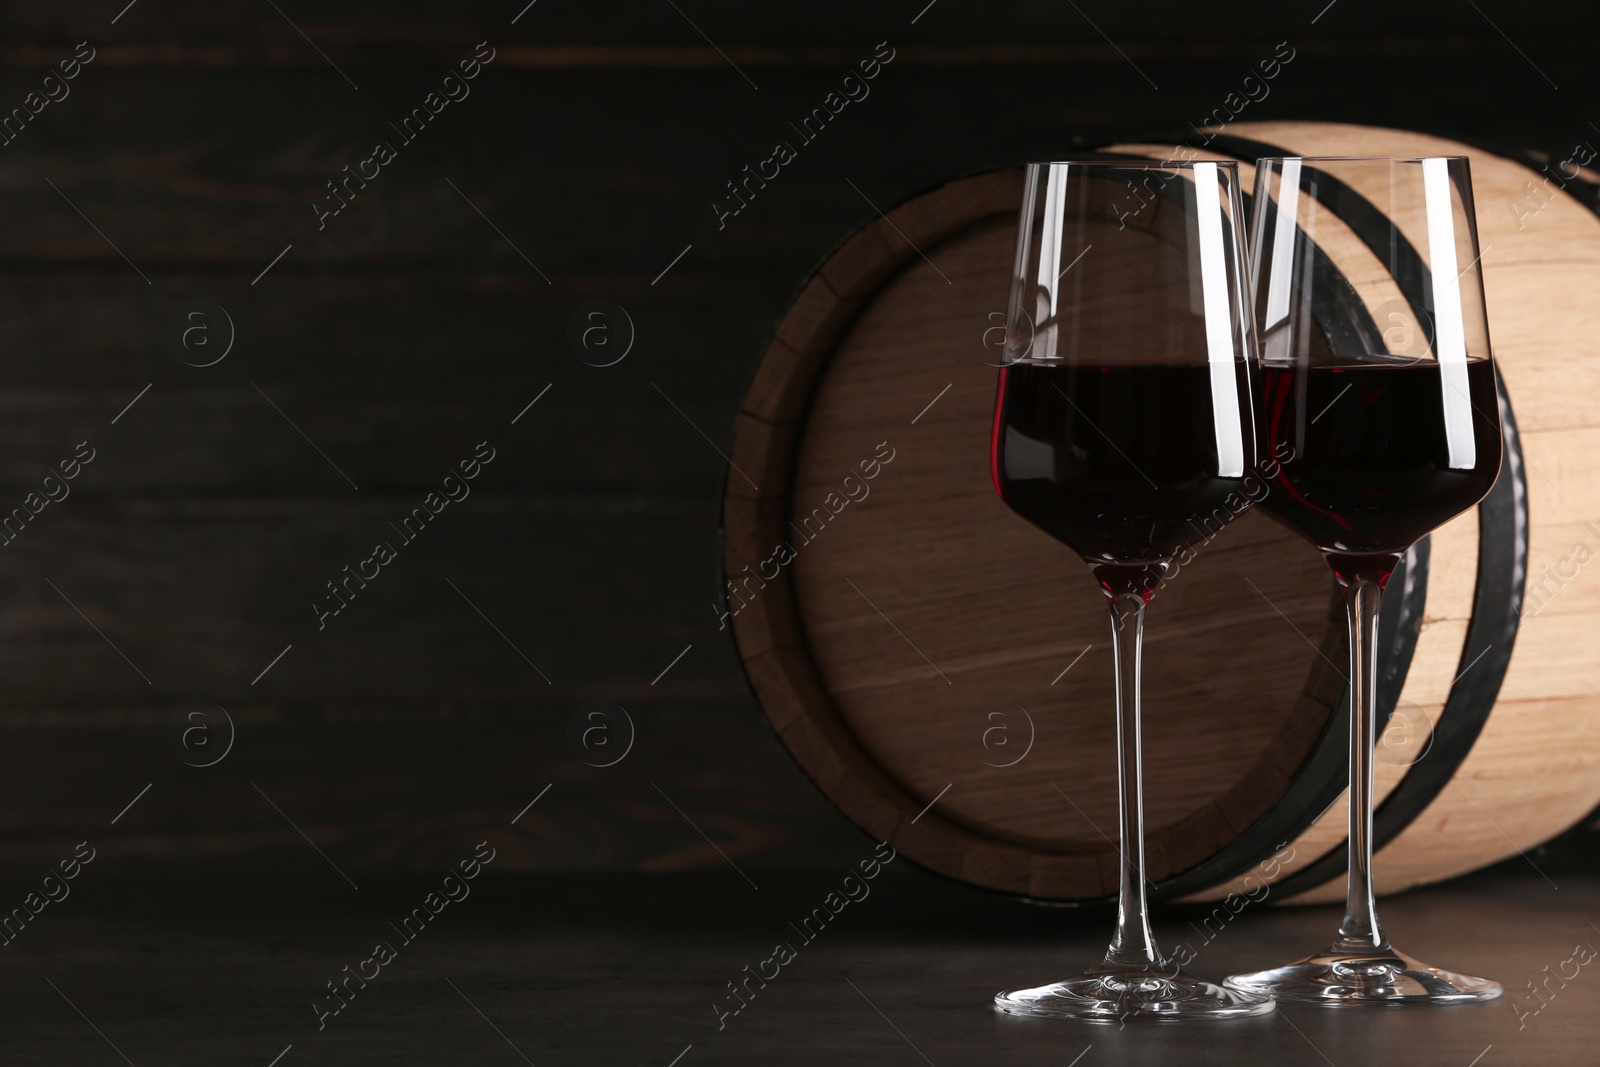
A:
[931,620]
[1531,773]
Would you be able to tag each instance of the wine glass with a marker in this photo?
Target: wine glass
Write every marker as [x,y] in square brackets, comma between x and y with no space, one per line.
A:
[1123,429]
[1379,397]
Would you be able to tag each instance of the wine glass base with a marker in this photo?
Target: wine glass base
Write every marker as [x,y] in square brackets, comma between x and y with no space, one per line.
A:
[1380,976]
[1118,996]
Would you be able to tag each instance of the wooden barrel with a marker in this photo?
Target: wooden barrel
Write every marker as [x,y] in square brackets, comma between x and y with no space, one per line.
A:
[942,670]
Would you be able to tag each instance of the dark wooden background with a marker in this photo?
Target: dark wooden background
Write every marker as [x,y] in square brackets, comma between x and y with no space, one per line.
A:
[409,330]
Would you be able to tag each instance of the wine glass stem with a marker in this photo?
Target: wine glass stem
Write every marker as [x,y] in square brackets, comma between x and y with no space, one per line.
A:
[1133,946]
[1360,930]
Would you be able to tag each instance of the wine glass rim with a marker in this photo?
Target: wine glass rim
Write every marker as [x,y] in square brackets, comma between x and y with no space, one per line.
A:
[1357,159]
[1136,164]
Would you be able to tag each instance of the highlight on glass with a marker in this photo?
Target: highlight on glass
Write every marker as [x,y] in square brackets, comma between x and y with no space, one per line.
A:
[1123,428]
[1378,390]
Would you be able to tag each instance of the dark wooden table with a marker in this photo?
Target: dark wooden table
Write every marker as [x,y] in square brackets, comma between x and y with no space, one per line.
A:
[204,964]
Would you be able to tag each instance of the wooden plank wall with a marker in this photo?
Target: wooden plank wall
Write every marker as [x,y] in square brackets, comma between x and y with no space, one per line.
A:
[379,350]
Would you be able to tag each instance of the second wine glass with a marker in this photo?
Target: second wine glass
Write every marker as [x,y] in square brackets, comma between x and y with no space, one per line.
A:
[1380,398]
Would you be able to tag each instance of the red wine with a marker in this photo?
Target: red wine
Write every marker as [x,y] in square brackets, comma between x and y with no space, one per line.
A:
[1366,454]
[1127,471]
